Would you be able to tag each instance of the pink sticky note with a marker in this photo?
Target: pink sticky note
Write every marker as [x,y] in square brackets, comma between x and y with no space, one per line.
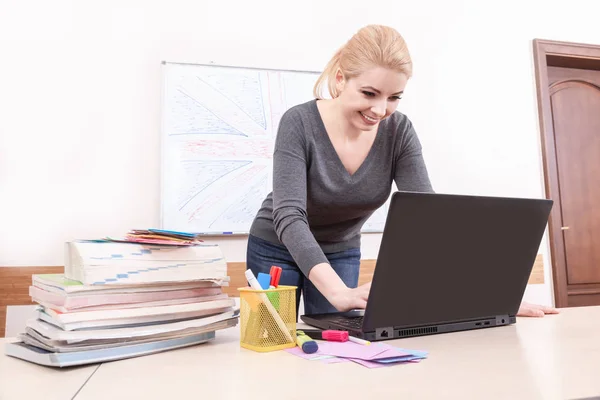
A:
[334,360]
[326,359]
[372,364]
[350,350]
[297,351]
[359,351]
[368,364]
[390,353]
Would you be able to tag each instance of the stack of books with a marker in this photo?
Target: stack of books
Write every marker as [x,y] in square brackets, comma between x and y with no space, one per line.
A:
[120,299]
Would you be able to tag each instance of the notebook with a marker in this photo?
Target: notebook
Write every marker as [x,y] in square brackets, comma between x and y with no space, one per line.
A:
[53,359]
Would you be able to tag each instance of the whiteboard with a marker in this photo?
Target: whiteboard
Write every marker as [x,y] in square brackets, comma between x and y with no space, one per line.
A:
[218,131]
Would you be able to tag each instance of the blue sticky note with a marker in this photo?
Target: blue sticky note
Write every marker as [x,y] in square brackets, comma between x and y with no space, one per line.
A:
[398,359]
[264,280]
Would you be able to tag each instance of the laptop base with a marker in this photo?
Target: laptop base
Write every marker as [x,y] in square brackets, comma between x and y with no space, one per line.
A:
[348,322]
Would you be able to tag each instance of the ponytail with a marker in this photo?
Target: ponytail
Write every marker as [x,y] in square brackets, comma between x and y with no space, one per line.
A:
[328,75]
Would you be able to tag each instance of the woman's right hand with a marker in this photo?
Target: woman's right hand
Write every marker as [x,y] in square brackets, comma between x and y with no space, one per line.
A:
[351,298]
[335,290]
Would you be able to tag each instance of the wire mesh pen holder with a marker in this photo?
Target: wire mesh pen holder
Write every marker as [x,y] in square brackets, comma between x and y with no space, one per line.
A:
[268,318]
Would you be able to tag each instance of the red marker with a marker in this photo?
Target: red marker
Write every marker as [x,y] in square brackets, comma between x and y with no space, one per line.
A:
[329,335]
[275,275]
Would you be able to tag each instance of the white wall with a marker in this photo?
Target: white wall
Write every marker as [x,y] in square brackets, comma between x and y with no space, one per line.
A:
[80,98]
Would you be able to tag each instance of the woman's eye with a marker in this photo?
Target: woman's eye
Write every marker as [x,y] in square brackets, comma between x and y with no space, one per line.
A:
[368,94]
[394,98]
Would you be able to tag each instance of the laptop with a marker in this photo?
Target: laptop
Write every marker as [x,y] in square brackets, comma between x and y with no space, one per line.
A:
[447,263]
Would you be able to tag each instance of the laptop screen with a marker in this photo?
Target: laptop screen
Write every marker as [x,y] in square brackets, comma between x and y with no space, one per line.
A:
[449,258]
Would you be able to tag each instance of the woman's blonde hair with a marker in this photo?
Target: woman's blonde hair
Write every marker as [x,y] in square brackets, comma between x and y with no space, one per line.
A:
[372,46]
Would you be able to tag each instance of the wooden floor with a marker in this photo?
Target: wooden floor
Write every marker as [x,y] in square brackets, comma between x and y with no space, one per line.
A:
[15,281]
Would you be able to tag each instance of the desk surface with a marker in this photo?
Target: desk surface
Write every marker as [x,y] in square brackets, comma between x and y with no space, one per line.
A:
[555,357]
[22,380]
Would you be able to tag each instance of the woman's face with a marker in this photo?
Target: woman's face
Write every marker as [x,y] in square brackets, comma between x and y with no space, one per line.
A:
[370,97]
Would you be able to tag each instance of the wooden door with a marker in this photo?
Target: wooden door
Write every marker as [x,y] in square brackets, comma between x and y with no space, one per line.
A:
[575,107]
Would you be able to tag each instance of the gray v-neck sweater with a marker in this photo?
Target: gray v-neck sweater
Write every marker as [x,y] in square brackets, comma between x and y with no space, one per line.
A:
[316,206]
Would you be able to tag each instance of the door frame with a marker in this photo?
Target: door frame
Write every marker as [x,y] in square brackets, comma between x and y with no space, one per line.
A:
[569,55]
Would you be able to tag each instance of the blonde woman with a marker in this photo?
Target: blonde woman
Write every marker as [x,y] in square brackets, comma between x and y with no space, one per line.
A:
[333,166]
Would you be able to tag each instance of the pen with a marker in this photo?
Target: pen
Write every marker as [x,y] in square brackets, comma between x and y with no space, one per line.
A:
[359,341]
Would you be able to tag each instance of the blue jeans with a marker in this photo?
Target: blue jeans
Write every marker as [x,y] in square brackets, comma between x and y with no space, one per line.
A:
[261,255]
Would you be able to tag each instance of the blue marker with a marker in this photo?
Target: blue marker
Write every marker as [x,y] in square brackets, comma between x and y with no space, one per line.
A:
[306,343]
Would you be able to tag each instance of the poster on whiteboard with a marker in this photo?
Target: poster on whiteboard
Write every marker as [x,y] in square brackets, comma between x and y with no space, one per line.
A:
[218,131]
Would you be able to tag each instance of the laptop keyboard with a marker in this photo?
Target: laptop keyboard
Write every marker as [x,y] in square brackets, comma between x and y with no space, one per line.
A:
[349,322]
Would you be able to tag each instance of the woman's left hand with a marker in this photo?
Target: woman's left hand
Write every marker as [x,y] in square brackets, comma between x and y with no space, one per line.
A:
[535,310]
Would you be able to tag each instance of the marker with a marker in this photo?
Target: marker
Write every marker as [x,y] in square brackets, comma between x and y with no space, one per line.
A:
[275,274]
[252,280]
[329,335]
[307,345]
[359,341]
[264,280]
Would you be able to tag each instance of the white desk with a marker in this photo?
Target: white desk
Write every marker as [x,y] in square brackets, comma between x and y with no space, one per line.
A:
[22,380]
[555,357]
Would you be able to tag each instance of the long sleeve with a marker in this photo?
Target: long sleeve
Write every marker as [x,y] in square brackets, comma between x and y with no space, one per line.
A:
[290,163]
[410,171]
